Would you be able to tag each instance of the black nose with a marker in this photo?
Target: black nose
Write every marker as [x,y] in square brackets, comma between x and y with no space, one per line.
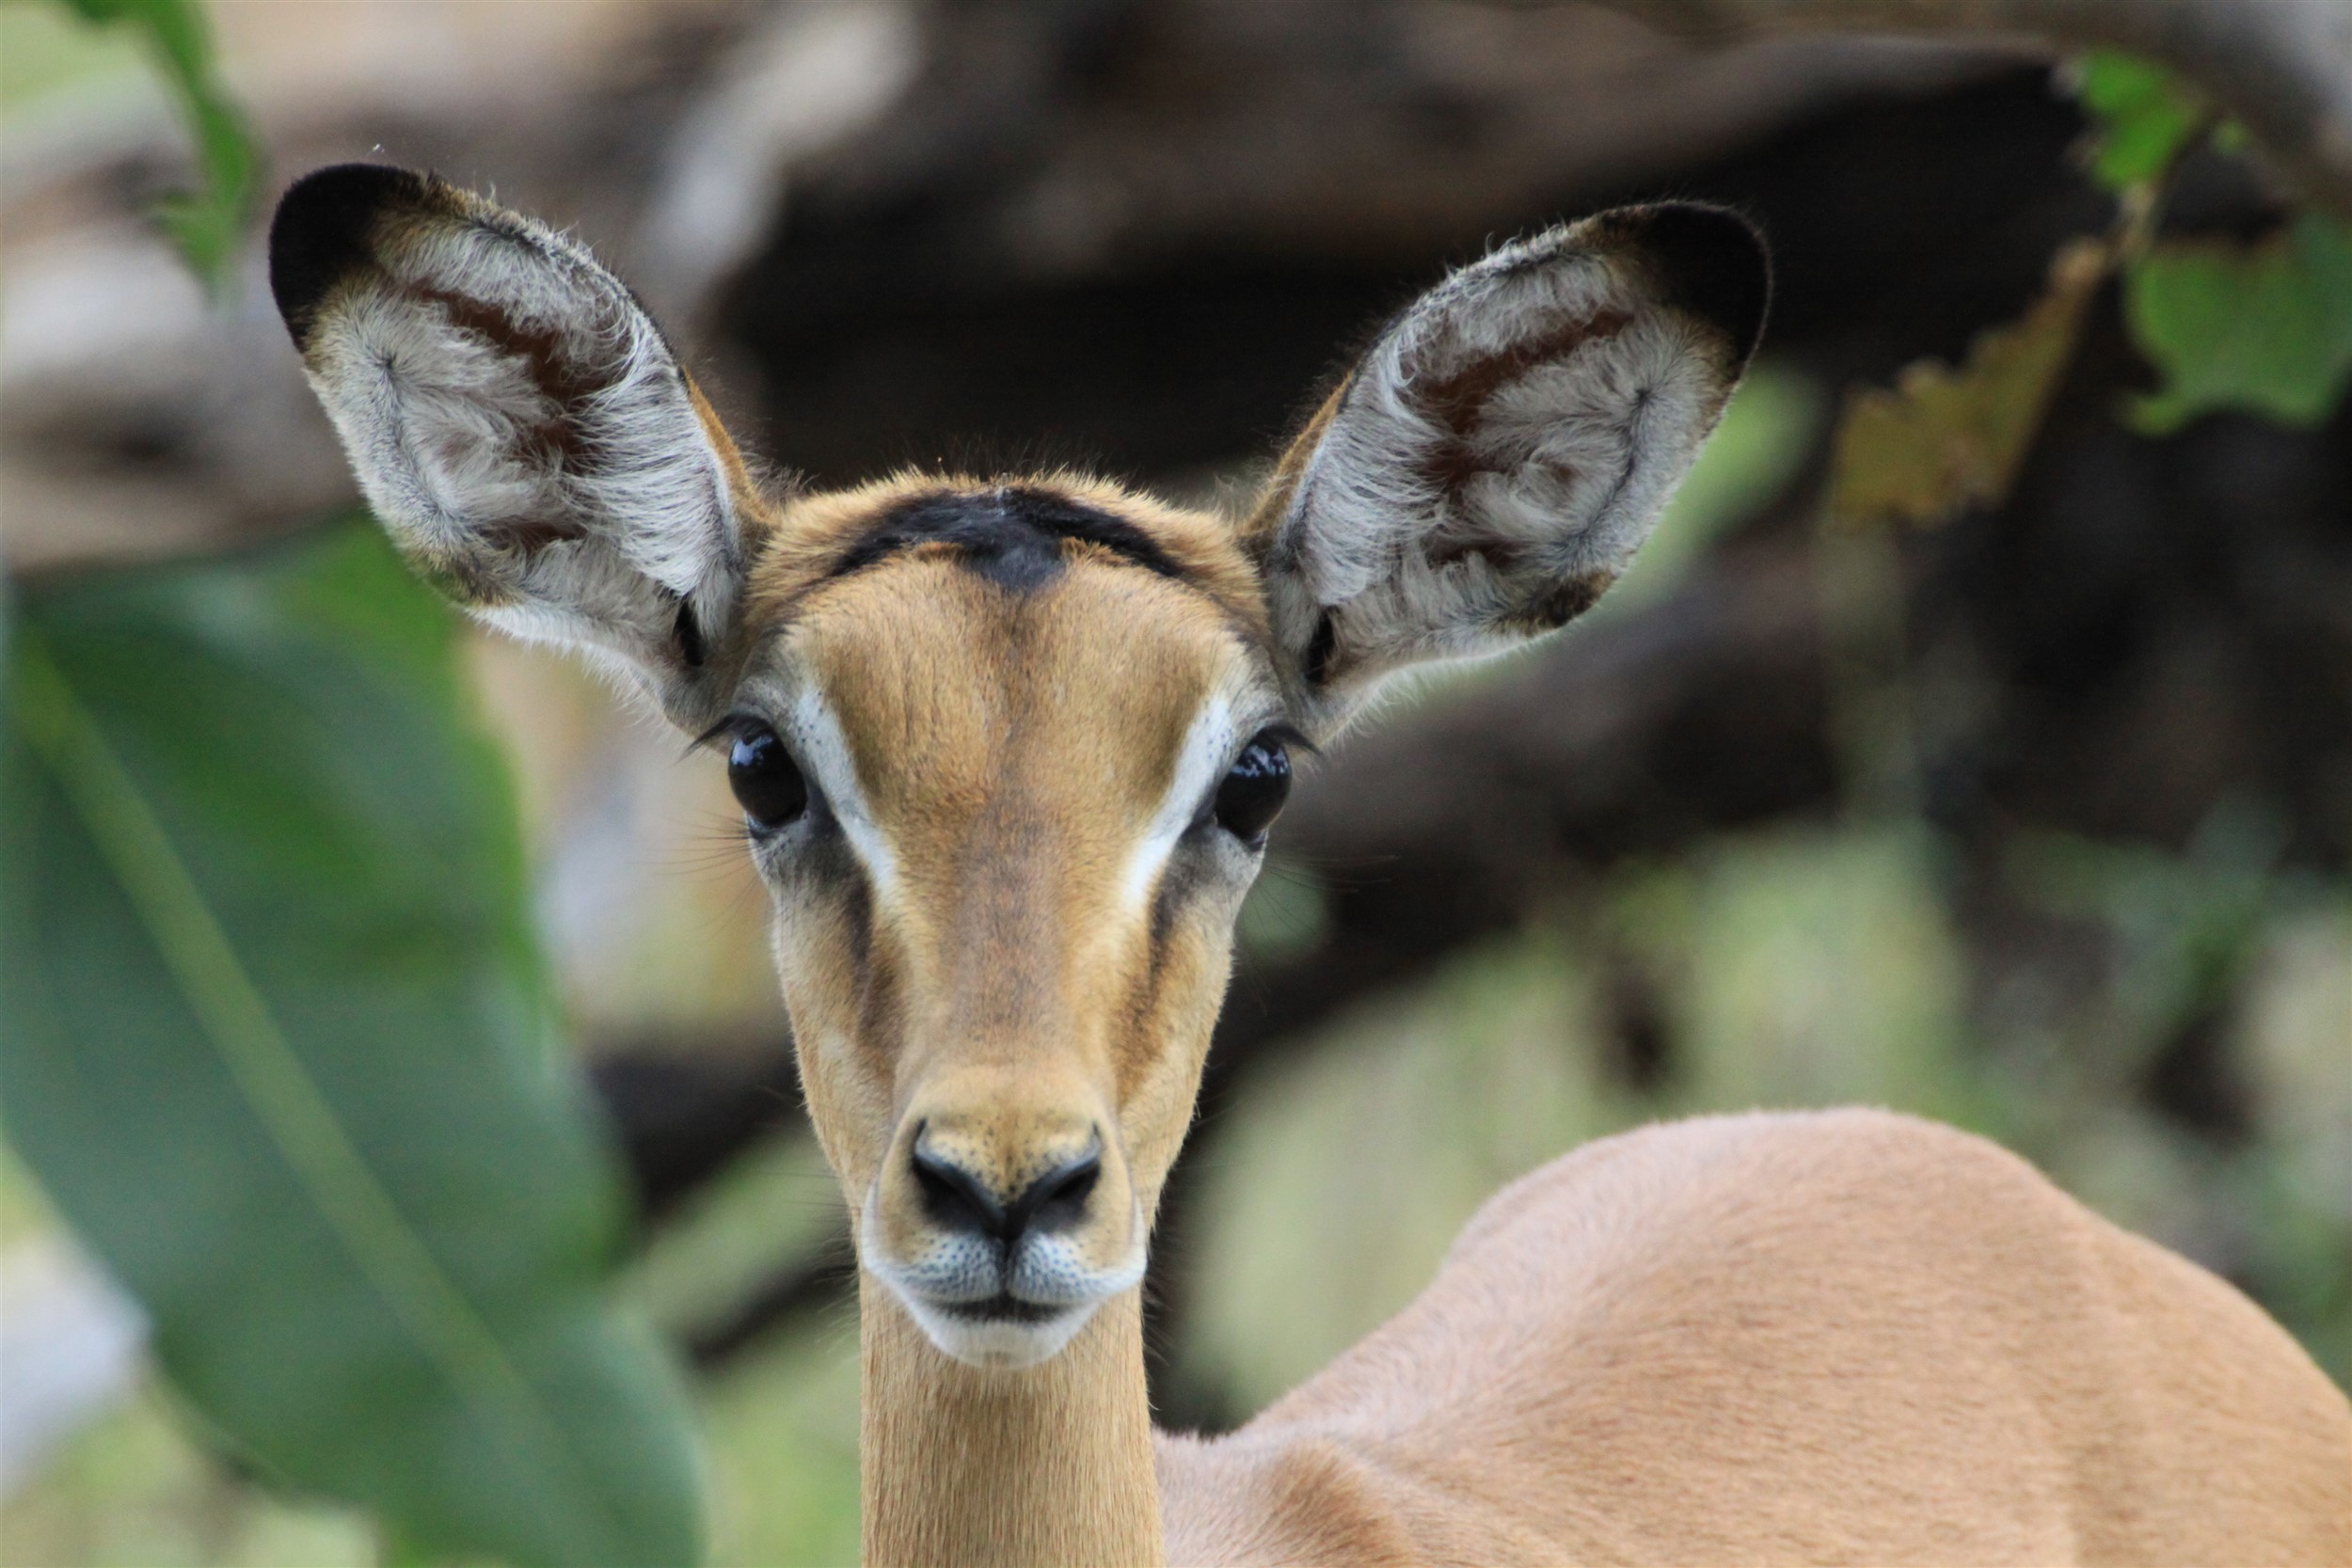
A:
[956,1199]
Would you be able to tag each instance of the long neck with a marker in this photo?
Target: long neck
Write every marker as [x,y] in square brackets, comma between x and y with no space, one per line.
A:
[1047,1465]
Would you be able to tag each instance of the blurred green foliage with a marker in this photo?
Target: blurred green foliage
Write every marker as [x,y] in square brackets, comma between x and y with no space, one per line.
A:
[207,223]
[778,1207]
[2265,327]
[137,1490]
[280,1049]
[2147,117]
[784,1431]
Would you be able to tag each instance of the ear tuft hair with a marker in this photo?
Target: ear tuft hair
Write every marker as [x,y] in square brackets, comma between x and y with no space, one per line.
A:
[322,233]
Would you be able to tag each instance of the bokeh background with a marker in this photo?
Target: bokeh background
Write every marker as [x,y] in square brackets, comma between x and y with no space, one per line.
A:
[2037,818]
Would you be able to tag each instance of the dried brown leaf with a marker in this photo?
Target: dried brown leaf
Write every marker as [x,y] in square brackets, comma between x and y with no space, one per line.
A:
[1941,440]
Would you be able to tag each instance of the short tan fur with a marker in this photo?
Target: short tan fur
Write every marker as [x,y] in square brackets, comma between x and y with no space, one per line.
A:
[1009,748]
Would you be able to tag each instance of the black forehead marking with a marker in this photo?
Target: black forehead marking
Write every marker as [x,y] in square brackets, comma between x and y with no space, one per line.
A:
[1011,535]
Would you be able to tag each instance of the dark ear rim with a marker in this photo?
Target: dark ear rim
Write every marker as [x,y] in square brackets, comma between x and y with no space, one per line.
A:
[324,231]
[1710,261]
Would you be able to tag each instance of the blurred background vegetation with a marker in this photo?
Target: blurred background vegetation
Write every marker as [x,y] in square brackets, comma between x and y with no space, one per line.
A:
[1975,738]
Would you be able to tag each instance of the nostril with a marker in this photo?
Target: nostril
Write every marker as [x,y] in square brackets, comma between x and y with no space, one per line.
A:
[955,1198]
[1057,1199]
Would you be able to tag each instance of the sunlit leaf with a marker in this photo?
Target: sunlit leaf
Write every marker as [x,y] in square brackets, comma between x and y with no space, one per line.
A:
[2265,327]
[205,224]
[277,1045]
[2145,116]
[1944,440]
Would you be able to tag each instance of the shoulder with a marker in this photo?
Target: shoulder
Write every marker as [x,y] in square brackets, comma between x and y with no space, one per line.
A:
[1821,1167]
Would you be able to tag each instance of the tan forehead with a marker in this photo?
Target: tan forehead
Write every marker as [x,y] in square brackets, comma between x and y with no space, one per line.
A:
[955,695]
[801,547]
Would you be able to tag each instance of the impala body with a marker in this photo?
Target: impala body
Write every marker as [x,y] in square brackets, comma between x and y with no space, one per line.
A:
[1009,750]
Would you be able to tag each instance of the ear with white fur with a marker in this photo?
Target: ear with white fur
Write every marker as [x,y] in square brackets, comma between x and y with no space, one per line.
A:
[1491,464]
[517,423]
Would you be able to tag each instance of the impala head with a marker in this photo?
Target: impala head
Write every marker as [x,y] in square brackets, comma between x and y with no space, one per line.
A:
[1008,750]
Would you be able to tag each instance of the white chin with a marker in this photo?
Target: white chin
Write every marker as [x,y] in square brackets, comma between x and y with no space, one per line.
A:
[998,1343]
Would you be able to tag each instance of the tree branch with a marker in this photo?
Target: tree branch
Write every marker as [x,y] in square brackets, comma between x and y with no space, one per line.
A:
[2282,67]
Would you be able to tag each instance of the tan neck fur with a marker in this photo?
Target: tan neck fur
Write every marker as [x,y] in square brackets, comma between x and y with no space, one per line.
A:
[963,1465]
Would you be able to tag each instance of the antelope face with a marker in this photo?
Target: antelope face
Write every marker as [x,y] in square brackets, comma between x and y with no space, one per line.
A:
[1007,751]
[1007,756]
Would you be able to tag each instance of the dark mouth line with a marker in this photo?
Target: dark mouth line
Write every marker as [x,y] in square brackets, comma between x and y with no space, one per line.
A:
[1003,1307]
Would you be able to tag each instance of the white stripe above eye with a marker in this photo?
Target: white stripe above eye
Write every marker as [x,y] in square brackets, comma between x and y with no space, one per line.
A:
[1208,751]
[825,749]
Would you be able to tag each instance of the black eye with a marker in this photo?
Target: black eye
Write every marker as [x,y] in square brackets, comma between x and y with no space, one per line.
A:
[1252,794]
[766,785]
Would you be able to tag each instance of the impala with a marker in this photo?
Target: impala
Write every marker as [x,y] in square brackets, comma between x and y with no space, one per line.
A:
[1009,750]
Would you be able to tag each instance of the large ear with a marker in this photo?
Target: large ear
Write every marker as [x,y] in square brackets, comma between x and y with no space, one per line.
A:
[1491,464]
[518,423]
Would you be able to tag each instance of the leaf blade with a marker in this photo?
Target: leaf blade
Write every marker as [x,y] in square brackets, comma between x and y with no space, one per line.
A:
[2147,117]
[472,1385]
[2263,328]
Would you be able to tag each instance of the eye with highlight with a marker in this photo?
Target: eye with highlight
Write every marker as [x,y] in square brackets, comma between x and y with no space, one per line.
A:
[1252,793]
[768,783]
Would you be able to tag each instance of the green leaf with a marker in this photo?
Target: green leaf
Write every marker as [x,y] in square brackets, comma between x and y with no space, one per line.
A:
[279,1046]
[2265,327]
[2146,115]
[205,224]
